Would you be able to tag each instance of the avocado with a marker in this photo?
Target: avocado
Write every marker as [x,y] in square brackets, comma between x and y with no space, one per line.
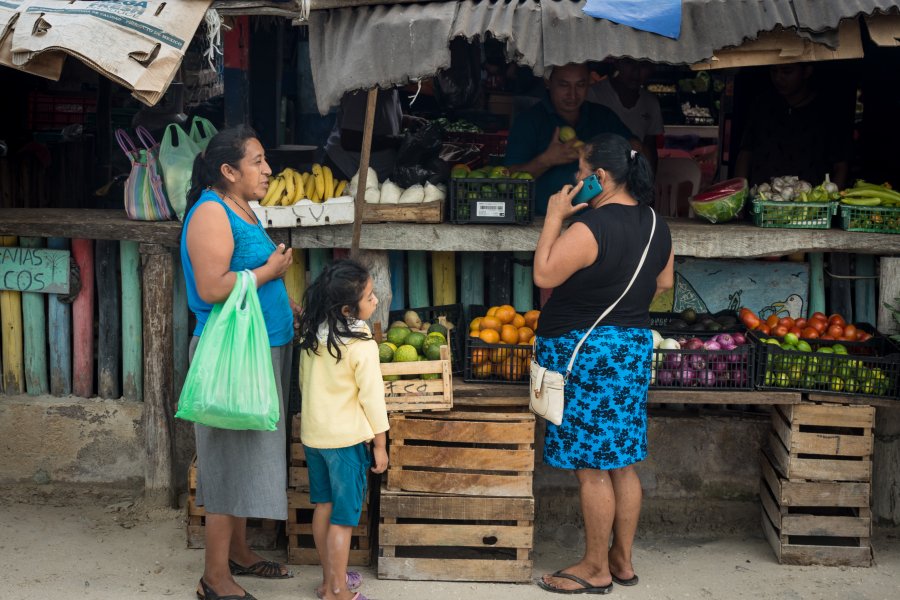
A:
[689,316]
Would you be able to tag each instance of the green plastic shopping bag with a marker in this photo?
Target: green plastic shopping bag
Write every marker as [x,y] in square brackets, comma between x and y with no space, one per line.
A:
[230,383]
[176,157]
[202,131]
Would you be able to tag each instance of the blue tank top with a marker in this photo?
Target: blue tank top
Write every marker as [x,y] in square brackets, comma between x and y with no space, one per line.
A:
[252,248]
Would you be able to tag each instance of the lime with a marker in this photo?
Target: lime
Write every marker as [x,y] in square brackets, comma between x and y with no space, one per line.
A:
[431,375]
[839,349]
[392,346]
[782,380]
[438,328]
[398,335]
[825,350]
[803,346]
[773,341]
[406,353]
[385,353]
[391,377]
[791,338]
[850,385]
[436,335]
[416,340]
[837,384]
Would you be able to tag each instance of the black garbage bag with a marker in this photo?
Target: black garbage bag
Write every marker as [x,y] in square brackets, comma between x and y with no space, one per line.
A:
[418,157]
[458,87]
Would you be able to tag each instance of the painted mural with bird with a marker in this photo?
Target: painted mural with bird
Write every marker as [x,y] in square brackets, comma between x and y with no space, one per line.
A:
[792,306]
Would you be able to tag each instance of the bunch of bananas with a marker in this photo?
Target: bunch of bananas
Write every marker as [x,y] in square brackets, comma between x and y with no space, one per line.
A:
[289,187]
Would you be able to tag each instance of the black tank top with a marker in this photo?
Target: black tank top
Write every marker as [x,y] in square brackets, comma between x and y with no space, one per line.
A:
[621,232]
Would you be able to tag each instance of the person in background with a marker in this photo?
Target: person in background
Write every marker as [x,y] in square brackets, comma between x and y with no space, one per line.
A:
[534,145]
[604,428]
[343,412]
[624,94]
[795,131]
[240,474]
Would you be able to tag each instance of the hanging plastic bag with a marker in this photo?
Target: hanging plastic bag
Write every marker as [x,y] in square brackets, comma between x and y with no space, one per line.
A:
[202,130]
[417,159]
[230,383]
[176,157]
[145,193]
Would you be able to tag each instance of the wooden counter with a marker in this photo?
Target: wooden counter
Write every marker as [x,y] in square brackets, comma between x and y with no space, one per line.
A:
[86,223]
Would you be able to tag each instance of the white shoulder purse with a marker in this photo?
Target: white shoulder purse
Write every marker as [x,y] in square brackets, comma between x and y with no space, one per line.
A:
[547,388]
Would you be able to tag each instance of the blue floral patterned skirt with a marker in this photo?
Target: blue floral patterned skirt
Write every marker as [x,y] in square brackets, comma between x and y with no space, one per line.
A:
[605,419]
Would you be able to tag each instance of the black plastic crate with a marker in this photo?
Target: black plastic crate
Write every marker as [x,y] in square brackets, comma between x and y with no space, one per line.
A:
[497,363]
[705,369]
[489,200]
[454,314]
[664,322]
[869,369]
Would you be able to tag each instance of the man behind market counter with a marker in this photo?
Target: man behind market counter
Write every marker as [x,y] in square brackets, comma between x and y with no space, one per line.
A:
[534,145]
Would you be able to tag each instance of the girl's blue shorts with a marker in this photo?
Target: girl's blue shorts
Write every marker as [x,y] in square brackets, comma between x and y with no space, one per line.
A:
[339,476]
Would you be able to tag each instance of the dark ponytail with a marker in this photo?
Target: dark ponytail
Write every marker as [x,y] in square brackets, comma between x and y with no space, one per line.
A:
[226,147]
[614,154]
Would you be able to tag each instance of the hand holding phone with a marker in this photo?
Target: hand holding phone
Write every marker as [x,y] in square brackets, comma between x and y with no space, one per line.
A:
[590,188]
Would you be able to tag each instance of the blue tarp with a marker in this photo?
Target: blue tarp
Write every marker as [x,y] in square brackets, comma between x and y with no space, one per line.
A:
[656,16]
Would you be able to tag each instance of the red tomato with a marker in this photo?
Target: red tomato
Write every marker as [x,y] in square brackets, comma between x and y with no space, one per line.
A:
[818,324]
[810,333]
[780,331]
[819,315]
[836,331]
[786,322]
[801,323]
[764,329]
[827,337]
[836,319]
[865,337]
[750,320]
[850,332]
[772,321]
[859,335]
[796,331]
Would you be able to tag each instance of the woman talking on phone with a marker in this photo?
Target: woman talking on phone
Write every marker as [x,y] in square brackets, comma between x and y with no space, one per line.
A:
[604,428]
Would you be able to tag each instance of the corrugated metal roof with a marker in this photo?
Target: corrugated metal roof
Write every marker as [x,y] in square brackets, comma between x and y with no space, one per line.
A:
[356,48]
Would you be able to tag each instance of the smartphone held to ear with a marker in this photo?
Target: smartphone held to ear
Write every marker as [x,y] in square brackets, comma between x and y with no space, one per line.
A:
[590,188]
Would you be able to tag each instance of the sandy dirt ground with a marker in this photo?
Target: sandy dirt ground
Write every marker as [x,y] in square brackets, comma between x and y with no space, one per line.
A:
[63,547]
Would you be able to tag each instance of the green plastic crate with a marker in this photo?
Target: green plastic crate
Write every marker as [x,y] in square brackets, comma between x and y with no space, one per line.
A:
[793,215]
[874,219]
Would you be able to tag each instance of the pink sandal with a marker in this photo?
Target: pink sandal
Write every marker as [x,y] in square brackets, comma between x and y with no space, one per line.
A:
[354,582]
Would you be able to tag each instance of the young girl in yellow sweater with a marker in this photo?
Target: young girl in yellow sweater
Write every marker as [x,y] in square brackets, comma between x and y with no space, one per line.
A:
[343,411]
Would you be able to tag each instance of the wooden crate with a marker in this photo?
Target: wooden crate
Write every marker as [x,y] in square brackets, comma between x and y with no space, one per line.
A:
[823,442]
[413,395]
[815,522]
[262,534]
[429,537]
[426,212]
[301,546]
[464,453]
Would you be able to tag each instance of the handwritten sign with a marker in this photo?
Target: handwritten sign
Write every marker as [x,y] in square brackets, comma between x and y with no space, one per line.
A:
[34,270]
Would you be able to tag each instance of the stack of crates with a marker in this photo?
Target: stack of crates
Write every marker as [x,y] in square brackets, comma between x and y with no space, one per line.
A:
[301,546]
[458,504]
[816,484]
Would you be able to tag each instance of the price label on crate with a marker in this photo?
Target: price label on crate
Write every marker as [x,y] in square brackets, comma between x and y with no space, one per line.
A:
[490,209]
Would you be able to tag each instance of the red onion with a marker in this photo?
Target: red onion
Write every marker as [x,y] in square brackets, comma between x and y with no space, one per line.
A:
[665,377]
[711,345]
[734,357]
[673,360]
[687,376]
[693,344]
[719,364]
[706,378]
[697,362]
[739,339]
[737,377]
[725,340]
[681,341]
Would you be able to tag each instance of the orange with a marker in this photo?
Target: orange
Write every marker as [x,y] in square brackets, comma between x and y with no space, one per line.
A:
[509,335]
[499,354]
[531,341]
[491,323]
[518,321]
[479,355]
[505,314]
[492,311]
[489,336]
[482,371]
[475,333]
[475,325]
[525,334]
[509,306]
[531,318]
[511,368]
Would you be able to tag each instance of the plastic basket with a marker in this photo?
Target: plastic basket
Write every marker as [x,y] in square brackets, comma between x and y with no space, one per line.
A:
[705,369]
[873,219]
[492,201]
[497,363]
[793,215]
[454,314]
[870,369]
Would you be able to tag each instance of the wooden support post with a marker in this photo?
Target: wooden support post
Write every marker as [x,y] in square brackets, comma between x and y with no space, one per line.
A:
[418,279]
[363,169]
[472,279]
[109,324]
[379,266]
[443,277]
[181,334]
[816,283]
[11,338]
[295,278]
[319,258]
[59,324]
[132,326]
[397,263]
[888,292]
[499,268]
[158,392]
[864,289]
[83,321]
[35,327]
[523,281]
[886,462]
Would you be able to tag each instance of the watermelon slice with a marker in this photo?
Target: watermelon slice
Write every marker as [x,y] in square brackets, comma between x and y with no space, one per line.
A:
[721,202]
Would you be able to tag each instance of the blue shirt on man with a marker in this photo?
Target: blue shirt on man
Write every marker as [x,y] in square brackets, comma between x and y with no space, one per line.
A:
[531,134]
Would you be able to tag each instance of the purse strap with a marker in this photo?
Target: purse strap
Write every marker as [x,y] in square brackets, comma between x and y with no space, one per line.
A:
[613,305]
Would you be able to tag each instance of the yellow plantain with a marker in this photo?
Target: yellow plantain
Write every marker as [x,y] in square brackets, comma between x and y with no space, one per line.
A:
[329,183]
[319,178]
[288,182]
[340,188]
[270,191]
[275,191]
[311,188]
[299,190]
[305,177]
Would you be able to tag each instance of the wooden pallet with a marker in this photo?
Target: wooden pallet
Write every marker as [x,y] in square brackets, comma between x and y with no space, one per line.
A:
[823,442]
[301,546]
[430,537]
[815,522]
[262,534]
[466,453]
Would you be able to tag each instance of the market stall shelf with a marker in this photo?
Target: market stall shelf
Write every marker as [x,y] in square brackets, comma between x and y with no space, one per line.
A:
[262,534]
[816,484]
[431,537]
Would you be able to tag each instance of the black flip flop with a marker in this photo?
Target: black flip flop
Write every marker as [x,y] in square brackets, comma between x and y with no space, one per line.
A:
[266,569]
[210,594]
[586,586]
[627,582]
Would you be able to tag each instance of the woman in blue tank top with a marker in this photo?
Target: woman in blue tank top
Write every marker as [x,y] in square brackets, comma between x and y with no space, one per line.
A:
[240,474]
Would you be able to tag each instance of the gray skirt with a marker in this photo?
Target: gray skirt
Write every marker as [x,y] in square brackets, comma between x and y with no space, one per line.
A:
[244,473]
